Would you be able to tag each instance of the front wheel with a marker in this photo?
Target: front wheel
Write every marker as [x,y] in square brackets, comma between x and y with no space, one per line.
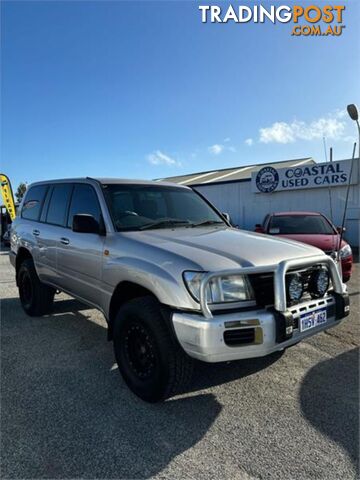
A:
[151,361]
[36,298]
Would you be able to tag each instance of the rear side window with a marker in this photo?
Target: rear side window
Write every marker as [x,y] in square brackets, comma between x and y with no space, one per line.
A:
[33,202]
[58,204]
[84,200]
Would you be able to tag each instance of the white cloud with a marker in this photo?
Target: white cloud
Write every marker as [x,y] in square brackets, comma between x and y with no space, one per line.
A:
[227,139]
[160,158]
[332,127]
[279,132]
[249,142]
[216,149]
[341,113]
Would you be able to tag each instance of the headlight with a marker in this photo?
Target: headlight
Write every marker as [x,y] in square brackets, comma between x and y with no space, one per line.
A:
[232,288]
[345,251]
[295,287]
[319,283]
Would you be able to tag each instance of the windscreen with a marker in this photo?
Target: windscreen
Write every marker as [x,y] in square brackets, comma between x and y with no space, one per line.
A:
[300,224]
[141,207]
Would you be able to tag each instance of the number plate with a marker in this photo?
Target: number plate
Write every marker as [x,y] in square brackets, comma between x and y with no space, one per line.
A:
[312,319]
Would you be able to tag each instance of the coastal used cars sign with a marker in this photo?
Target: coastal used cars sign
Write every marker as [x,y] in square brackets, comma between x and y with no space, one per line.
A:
[269,179]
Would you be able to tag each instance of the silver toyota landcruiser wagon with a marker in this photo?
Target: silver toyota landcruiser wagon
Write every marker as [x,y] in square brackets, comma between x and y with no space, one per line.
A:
[174,280]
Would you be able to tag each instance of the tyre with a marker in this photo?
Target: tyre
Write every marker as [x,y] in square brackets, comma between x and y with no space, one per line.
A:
[151,361]
[36,298]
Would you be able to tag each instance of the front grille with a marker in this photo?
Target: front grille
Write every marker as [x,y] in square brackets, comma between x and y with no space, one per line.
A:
[263,286]
[239,336]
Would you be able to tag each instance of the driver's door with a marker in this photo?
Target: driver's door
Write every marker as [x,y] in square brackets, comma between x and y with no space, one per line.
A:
[80,255]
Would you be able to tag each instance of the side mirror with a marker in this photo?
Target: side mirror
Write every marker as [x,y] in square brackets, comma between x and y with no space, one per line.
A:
[259,228]
[84,223]
[226,216]
[341,229]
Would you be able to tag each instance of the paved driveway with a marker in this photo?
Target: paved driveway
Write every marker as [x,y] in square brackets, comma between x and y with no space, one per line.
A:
[66,413]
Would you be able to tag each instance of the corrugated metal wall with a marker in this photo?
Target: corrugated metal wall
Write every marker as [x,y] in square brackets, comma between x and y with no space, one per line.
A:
[247,208]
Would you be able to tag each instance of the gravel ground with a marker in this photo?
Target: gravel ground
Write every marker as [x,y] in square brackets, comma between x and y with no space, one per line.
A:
[66,413]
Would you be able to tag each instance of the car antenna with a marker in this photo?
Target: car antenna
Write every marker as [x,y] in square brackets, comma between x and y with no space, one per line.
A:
[333,243]
[333,253]
[346,202]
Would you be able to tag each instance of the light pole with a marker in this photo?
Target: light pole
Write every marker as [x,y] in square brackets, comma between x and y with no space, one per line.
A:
[354,115]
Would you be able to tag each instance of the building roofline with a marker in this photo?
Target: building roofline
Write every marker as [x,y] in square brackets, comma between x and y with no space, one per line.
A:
[214,170]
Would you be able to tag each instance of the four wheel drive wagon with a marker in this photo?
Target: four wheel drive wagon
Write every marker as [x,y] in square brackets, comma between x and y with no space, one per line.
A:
[173,279]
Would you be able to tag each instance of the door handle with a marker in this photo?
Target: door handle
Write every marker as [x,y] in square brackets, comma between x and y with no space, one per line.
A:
[64,241]
[36,232]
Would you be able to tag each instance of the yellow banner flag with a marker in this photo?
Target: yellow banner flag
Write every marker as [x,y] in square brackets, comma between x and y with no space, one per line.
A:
[7,195]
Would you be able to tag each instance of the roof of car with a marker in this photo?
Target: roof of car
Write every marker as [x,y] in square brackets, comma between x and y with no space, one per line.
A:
[135,182]
[107,181]
[280,214]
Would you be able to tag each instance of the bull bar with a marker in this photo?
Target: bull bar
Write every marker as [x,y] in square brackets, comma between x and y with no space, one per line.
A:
[279,271]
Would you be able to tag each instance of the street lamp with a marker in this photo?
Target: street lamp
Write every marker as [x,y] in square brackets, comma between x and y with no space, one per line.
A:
[354,115]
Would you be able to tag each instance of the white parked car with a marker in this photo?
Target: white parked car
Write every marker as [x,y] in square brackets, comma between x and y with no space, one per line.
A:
[174,280]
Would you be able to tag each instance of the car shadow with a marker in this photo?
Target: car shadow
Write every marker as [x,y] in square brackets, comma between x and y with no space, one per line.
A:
[69,305]
[208,375]
[328,408]
[66,412]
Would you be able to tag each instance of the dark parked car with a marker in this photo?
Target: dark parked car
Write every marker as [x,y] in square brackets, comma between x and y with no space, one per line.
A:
[6,237]
[312,228]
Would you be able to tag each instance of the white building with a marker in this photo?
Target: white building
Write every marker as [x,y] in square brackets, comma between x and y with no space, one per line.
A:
[249,192]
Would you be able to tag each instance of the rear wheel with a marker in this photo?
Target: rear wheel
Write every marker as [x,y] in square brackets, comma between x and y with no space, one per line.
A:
[36,297]
[151,361]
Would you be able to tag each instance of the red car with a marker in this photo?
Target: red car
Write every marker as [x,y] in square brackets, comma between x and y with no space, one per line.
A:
[312,228]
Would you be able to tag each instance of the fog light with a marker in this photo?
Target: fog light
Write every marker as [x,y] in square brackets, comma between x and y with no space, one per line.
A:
[295,287]
[319,283]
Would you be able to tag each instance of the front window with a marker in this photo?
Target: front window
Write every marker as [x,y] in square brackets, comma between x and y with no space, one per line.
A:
[142,207]
[84,200]
[300,224]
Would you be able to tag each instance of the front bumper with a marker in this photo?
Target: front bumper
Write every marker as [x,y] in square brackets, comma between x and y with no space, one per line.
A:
[206,338]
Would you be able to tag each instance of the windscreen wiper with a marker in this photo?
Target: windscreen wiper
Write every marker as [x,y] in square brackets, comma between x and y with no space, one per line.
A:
[164,223]
[207,222]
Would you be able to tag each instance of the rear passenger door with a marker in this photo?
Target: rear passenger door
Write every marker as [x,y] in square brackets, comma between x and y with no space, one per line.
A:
[50,229]
[79,259]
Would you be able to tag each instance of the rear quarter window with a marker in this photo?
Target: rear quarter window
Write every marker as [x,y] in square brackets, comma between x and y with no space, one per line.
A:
[33,202]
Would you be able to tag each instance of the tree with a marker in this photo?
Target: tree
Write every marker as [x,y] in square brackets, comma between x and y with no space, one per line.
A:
[20,192]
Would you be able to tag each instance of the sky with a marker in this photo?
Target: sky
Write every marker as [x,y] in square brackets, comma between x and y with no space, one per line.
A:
[144,89]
